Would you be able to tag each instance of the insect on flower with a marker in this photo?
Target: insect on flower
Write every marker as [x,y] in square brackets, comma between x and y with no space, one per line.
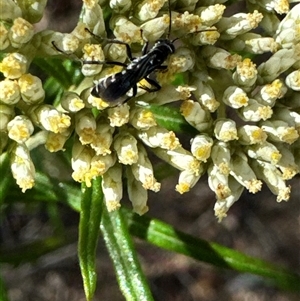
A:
[114,88]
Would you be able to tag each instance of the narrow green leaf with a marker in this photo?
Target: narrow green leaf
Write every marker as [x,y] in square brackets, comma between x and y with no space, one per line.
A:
[3,291]
[131,279]
[6,176]
[89,225]
[32,251]
[166,237]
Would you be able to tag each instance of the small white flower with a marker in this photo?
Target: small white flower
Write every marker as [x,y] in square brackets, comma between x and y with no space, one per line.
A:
[293,80]
[257,44]
[10,10]
[49,118]
[218,182]
[99,165]
[72,102]
[195,115]
[225,130]
[119,115]
[112,187]
[243,173]
[125,146]
[149,9]
[9,92]
[56,141]
[278,63]
[180,159]
[210,14]
[273,178]
[246,73]
[288,33]
[222,205]
[22,167]
[268,94]
[6,114]
[251,134]
[21,32]
[201,147]
[4,40]
[238,24]
[155,28]
[287,164]
[31,89]
[159,137]
[255,111]
[92,17]
[205,95]
[220,156]
[143,171]
[280,131]
[20,128]
[235,97]
[219,58]
[102,138]
[13,65]
[142,119]
[85,126]
[137,194]
[92,53]
[81,161]
[120,6]
[186,181]
[126,31]
[264,151]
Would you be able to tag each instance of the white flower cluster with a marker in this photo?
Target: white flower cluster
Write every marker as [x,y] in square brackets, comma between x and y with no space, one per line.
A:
[241,93]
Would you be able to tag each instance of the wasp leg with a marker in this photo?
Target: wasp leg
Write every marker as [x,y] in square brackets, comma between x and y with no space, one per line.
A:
[128,50]
[145,48]
[152,82]
[161,67]
[105,63]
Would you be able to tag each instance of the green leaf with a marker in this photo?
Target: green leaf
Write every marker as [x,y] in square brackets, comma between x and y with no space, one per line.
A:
[3,291]
[130,277]
[55,68]
[166,237]
[32,251]
[170,118]
[89,226]
[7,180]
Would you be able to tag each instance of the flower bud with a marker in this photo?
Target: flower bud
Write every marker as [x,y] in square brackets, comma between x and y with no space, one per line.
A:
[125,146]
[13,65]
[31,89]
[137,194]
[225,130]
[201,147]
[20,128]
[20,33]
[112,187]
[9,92]
[22,167]
[143,172]
[6,114]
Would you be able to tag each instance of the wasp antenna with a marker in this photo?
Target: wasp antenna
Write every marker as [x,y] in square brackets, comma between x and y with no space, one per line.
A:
[94,35]
[170,20]
[70,55]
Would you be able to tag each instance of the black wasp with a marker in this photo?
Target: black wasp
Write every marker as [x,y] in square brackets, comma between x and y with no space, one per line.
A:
[113,89]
